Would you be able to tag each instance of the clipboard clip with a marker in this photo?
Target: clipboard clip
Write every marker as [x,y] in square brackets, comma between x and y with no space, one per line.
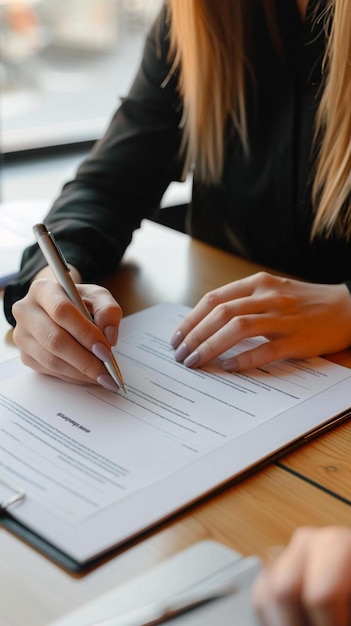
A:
[17,493]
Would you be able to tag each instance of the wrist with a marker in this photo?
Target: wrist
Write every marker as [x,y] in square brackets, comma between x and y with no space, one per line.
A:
[46,272]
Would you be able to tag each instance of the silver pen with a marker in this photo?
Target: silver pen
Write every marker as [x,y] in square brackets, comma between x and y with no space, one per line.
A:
[61,271]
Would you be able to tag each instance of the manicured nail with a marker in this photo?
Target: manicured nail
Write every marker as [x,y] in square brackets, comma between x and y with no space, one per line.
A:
[192,359]
[230,366]
[102,353]
[110,333]
[182,352]
[106,382]
[176,339]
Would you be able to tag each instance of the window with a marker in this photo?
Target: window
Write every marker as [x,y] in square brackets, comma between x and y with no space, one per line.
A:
[64,65]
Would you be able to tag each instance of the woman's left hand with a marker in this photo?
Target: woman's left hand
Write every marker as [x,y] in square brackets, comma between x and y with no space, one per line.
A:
[298,319]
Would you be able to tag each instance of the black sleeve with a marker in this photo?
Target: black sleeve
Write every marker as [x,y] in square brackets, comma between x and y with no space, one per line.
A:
[124,177]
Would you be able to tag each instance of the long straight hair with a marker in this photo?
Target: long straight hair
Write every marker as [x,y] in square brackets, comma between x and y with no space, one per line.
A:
[209,49]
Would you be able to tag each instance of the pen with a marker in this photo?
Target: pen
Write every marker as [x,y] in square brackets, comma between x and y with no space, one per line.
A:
[61,271]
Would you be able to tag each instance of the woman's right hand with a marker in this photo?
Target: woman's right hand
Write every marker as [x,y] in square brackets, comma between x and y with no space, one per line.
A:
[309,582]
[56,339]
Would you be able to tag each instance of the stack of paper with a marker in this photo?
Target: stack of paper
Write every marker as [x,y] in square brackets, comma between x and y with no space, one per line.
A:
[16,221]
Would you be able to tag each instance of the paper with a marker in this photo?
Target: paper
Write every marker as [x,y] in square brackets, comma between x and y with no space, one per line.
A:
[16,221]
[78,451]
[199,564]
[86,448]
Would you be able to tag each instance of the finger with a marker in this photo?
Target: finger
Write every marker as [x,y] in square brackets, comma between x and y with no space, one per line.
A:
[195,354]
[261,283]
[69,375]
[56,349]
[213,299]
[106,312]
[222,317]
[57,353]
[230,322]
[53,366]
[327,591]
[260,595]
[263,354]
[57,308]
[277,592]
[271,612]
[64,372]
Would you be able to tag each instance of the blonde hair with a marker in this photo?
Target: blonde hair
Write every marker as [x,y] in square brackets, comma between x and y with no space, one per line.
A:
[209,48]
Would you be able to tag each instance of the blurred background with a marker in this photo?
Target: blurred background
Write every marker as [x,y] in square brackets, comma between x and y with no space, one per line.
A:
[64,64]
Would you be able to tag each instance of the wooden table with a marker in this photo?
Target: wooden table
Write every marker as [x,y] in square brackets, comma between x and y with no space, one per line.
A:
[311,486]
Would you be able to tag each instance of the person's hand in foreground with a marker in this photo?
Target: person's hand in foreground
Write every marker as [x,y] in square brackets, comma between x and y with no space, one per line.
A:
[56,339]
[309,583]
[298,319]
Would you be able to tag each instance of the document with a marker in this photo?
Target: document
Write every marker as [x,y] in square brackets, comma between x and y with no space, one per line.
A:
[98,467]
[198,568]
[16,220]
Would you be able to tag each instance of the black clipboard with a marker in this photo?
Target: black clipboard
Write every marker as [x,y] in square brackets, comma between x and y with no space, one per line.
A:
[7,521]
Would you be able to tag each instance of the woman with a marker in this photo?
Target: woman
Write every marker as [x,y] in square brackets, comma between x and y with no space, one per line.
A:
[253,96]
[309,583]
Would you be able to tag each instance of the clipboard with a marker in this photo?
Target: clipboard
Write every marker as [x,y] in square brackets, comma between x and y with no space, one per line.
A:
[79,546]
[15,495]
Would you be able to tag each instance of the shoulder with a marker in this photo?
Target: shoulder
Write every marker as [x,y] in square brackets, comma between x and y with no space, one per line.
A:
[156,74]
[158,36]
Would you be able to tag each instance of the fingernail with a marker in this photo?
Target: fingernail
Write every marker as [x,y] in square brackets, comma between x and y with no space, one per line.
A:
[176,339]
[182,352]
[102,353]
[230,366]
[192,360]
[110,333]
[106,381]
